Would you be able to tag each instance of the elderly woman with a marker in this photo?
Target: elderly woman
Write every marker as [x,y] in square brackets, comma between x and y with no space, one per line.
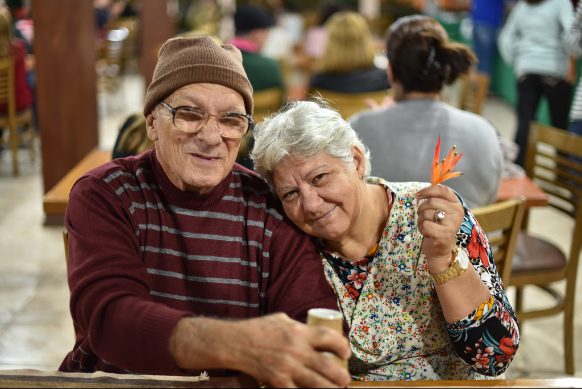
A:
[448,319]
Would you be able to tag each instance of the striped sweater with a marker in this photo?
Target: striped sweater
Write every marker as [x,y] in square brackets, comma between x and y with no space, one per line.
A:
[143,254]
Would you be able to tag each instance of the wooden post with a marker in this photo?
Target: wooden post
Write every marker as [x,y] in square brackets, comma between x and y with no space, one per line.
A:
[156,28]
[66,93]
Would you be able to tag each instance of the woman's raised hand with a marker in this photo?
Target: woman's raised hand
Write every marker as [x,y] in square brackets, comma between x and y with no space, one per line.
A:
[439,219]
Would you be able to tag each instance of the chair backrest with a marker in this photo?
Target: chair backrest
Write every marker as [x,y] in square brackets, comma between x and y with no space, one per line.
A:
[502,222]
[474,91]
[266,102]
[554,161]
[348,104]
[7,95]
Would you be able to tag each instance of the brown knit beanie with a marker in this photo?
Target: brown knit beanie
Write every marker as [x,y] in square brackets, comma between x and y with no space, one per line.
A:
[185,61]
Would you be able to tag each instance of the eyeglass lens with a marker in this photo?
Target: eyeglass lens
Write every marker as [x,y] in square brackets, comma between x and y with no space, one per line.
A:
[191,119]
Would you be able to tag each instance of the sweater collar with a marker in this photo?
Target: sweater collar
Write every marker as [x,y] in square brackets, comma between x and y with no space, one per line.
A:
[180,198]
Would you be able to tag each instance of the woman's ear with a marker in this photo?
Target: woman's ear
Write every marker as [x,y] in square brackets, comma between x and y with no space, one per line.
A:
[359,161]
[151,129]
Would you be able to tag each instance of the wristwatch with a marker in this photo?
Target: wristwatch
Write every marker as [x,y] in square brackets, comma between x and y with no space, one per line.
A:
[459,265]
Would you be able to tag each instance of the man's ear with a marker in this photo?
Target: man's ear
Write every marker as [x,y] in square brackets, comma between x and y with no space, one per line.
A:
[150,127]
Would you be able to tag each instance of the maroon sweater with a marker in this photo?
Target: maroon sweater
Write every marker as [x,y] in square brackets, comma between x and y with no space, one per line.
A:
[143,254]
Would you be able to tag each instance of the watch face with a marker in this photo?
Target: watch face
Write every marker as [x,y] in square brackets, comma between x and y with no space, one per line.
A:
[463,257]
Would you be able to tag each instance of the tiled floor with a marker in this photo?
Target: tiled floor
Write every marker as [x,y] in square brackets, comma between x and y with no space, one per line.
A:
[35,327]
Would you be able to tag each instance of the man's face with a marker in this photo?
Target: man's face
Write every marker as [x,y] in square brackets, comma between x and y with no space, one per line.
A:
[200,161]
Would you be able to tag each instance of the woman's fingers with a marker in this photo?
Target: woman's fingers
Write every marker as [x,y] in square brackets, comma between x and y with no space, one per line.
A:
[438,191]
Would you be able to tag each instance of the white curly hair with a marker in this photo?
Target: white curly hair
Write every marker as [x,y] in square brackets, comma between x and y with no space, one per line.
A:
[302,130]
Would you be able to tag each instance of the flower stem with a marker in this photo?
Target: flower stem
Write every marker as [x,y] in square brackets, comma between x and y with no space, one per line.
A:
[418,256]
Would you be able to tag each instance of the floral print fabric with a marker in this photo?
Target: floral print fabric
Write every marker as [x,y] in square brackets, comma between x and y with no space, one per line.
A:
[397,328]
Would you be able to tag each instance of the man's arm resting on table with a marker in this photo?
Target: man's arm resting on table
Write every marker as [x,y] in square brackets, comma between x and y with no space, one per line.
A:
[273,349]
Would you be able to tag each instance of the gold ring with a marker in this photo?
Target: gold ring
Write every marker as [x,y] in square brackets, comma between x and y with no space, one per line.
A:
[439,216]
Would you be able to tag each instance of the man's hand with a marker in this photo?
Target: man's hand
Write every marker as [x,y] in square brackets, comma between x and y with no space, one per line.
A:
[273,349]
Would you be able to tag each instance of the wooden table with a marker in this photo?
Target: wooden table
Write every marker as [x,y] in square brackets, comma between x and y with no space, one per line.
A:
[56,200]
[35,378]
[522,186]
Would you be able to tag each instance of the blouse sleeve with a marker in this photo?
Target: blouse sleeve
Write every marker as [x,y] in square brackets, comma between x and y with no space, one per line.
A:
[488,337]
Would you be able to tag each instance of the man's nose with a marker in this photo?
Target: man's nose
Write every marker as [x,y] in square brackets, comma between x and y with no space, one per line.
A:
[210,131]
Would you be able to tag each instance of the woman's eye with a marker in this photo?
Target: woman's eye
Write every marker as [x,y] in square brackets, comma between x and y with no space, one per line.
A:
[319,178]
[289,195]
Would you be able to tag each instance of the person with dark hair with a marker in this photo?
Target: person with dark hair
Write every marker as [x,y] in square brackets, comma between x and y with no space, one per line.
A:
[533,42]
[252,24]
[181,261]
[401,138]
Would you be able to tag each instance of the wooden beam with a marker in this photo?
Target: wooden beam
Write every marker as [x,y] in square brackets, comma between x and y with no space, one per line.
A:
[156,28]
[66,94]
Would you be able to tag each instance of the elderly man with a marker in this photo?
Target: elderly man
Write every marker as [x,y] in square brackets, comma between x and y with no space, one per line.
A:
[168,247]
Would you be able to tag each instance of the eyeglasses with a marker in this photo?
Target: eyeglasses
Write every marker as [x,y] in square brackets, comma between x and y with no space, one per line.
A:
[193,119]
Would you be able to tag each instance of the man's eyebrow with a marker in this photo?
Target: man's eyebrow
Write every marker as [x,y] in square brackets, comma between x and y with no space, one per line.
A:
[305,176]
[195,101]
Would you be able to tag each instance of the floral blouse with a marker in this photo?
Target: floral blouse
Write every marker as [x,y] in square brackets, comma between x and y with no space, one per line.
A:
[397,328]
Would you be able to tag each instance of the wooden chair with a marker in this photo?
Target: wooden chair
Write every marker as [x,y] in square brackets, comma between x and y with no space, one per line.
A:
[348,104]
[66,242]
[266,102]
[502,222]
[474,87]
[537,261]
[12,119]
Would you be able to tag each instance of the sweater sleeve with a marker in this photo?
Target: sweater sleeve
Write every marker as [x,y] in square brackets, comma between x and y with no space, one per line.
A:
[574,37]
[508,37]
[488,337]
[110,299]
[296,280]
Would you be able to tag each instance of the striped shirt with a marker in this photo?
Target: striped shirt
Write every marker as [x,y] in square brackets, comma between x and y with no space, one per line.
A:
[143,254]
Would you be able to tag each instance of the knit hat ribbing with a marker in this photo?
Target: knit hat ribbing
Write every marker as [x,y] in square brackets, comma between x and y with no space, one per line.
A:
[185,61]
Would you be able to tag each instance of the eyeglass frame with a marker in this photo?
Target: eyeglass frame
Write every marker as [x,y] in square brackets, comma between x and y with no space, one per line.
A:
[174,110]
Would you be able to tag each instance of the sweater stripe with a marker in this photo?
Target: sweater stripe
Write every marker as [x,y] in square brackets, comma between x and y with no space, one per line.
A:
[191,234]
[206,301]
[192,257]
[208,280]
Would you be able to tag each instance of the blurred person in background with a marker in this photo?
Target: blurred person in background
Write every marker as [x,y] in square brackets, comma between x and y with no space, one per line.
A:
[533,42]
[348,63]
[316,36]
[401,137]
[488,17]
[252,24]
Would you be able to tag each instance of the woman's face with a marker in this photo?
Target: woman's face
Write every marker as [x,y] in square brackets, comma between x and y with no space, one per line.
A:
[322,196]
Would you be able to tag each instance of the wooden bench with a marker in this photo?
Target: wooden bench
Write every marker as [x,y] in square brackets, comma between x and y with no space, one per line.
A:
[55,201]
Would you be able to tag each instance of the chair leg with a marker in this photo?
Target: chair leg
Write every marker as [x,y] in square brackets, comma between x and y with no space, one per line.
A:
[518,299]
[14,147]
[569,334]
[32,138]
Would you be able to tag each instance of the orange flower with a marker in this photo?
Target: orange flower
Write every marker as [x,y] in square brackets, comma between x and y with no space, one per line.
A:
[441,172]
[444,170]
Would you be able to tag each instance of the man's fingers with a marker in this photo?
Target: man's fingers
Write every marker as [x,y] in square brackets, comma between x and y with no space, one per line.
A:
[325,339]
[325,370]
